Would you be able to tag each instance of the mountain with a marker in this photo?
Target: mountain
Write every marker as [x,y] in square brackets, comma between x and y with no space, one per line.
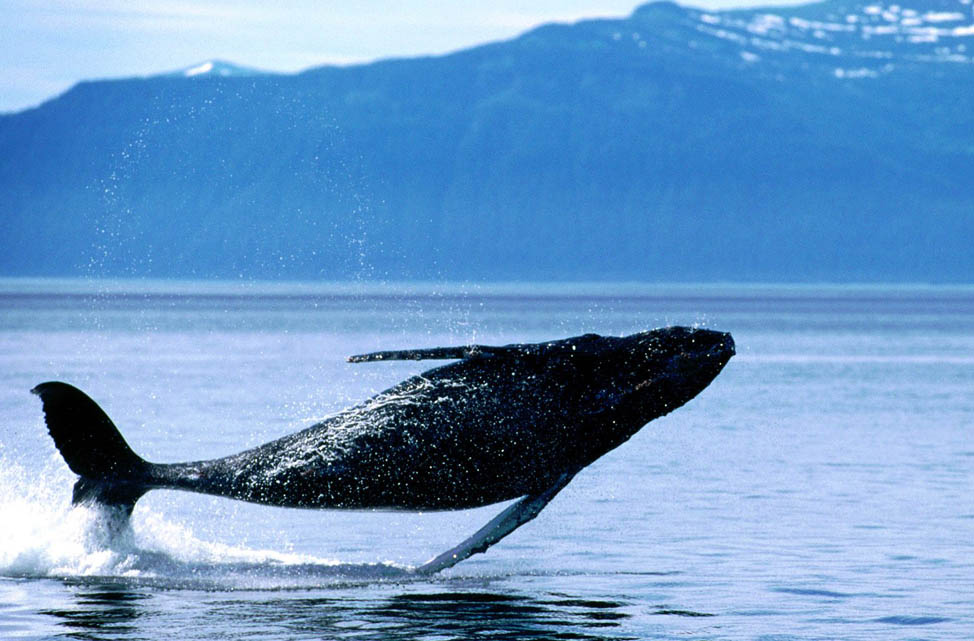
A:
[825,142]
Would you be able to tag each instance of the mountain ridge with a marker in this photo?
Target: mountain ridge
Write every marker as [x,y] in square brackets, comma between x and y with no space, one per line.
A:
[642,148]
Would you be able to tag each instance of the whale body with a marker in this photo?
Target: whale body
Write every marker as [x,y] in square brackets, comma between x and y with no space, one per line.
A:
[498,423]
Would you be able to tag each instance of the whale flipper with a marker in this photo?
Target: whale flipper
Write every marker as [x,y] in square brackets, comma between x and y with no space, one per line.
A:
[111,473]
[432,353]
[513,517]
[467,352]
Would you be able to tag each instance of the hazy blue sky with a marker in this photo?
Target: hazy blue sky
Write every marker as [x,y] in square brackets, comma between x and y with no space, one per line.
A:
[48,45]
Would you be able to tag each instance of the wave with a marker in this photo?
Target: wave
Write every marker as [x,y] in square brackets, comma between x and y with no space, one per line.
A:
[44,536]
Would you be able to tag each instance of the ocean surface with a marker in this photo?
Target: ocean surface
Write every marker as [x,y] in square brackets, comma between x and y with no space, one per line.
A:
[821,488]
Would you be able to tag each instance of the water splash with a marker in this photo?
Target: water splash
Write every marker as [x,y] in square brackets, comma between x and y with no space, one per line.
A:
[45,536]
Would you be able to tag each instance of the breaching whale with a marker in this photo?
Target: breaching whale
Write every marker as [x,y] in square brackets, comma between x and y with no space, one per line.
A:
[501,422]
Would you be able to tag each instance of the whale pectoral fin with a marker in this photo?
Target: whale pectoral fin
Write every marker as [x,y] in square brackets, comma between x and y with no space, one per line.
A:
[462,352]
[513,517]
[422,354]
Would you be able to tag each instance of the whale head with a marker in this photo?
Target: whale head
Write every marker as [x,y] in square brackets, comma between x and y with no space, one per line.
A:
[615,385]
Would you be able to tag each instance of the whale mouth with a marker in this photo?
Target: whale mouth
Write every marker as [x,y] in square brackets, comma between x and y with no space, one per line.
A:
[709,346]
[713,357]
[704,356]
[724,348]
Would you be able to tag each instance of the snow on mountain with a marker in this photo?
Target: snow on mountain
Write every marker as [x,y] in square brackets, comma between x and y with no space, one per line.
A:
[219,68]
[850,39]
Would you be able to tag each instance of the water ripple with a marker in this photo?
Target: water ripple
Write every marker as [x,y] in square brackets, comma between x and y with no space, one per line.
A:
[912,620]
[814,592]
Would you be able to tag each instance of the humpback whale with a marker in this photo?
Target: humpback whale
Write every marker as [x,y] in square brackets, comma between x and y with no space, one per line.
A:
[498,423]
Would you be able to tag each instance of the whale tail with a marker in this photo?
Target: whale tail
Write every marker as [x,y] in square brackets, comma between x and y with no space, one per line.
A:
[111,473]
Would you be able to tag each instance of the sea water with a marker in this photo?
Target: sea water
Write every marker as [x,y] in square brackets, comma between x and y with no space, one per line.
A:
[821,488]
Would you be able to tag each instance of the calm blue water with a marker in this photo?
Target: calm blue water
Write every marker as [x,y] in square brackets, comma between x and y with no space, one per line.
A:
[821,488]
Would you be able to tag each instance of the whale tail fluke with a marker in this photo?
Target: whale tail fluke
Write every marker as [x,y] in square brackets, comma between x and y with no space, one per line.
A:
[111,473]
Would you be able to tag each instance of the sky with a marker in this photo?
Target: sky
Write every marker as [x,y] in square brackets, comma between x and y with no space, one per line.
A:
[46,46]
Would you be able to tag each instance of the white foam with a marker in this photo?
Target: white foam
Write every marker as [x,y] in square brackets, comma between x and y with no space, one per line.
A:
[44,536]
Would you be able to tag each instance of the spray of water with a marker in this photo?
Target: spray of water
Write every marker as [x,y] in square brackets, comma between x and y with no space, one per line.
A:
[45,536]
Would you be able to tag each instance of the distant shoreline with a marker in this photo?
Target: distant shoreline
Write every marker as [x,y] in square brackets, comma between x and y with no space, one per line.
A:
[392,289]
